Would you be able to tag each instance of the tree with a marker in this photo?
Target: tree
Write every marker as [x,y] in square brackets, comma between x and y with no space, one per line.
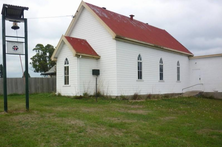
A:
[41,61]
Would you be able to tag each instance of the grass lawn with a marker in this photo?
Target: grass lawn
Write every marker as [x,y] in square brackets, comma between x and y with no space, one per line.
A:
[61,121]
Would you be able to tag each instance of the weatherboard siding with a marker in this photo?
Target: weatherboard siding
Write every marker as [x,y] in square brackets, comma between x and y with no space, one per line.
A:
[87,80]
[72,88]
[207,71]
[127,77]
[89,28]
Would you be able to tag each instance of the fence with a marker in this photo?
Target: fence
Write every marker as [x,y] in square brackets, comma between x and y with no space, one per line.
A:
[36,85]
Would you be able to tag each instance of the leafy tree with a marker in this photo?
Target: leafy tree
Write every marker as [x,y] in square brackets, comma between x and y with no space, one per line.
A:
[41,61]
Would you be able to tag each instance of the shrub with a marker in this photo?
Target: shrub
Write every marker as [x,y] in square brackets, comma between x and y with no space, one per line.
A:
[149,96]
[59,94]
[123,97]
[85,94]
[98,94]
[135,96]
[78,97]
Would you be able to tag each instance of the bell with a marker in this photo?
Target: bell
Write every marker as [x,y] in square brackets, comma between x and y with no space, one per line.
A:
[15,26]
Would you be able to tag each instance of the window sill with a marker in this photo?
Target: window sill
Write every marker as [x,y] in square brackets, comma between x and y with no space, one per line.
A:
[66,85]
[161,80]
[178,81]
[140,80]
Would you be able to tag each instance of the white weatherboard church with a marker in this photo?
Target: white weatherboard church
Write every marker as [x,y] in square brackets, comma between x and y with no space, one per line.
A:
[132,57]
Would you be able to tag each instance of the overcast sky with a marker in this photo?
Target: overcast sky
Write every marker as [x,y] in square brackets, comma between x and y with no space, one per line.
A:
[194,23]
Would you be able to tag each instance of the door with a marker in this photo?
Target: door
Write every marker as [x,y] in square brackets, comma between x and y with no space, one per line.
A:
[196,76]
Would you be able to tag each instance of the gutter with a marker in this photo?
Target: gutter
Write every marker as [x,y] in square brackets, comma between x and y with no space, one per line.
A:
[121,38]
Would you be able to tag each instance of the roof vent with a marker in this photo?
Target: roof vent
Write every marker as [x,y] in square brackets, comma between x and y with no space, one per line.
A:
[104,8]
[131,16]
[147,23]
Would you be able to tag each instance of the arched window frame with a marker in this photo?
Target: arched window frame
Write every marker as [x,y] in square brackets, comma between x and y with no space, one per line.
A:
[178,71]
[66,72]
[139,67]
[161,69]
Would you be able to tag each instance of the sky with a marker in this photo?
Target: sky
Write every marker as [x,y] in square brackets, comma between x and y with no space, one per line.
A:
[195,24]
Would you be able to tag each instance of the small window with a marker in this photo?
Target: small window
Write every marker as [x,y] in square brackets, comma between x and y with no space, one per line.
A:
[161,69]
[66,72]
[178,71]
[139,64]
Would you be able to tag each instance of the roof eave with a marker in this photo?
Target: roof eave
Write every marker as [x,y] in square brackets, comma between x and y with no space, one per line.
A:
[121,38]
[87,55]
[74,20]
[54,57]
[77,14]
[58,48]
[206,56]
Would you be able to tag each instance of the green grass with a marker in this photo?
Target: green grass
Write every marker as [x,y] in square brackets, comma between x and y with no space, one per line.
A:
[61,121]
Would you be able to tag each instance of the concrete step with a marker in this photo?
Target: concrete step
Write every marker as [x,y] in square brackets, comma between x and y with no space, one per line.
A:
[191,93]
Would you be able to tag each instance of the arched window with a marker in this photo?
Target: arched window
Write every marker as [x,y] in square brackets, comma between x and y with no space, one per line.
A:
[178,71]
[161,69]
[139,64]
[66,72]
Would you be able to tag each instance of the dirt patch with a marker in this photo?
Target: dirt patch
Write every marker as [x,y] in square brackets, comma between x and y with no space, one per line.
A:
[117,120]
[138,111]
[15,111]
[63,109]
[206,131]
[168,118]
[134,106]
[75,122]
[86,109]
[153,132]
[102,131]
[23,118]
[137,101]
[3,113]
[188,124]
[69,121]
[144,112]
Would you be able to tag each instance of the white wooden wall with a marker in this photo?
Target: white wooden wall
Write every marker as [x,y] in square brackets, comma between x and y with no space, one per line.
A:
[72,88]
[87,27]
[87,80]
[207,71]
[127,77]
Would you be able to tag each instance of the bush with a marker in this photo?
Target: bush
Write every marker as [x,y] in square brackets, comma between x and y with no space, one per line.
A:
[98,94]
[123,97]
[78,97]
[85,94]
[149,96]
[135,96]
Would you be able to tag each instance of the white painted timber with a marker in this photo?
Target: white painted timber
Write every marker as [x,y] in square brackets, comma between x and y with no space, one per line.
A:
[89,28]
[208,71]
[72,88]
[127,78]
[87,80]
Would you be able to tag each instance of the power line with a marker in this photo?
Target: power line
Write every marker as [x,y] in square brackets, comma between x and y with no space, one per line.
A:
[51,17]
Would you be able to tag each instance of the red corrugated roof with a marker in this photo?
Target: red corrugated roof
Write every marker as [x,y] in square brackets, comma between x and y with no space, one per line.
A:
[130,28]
[81,46]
